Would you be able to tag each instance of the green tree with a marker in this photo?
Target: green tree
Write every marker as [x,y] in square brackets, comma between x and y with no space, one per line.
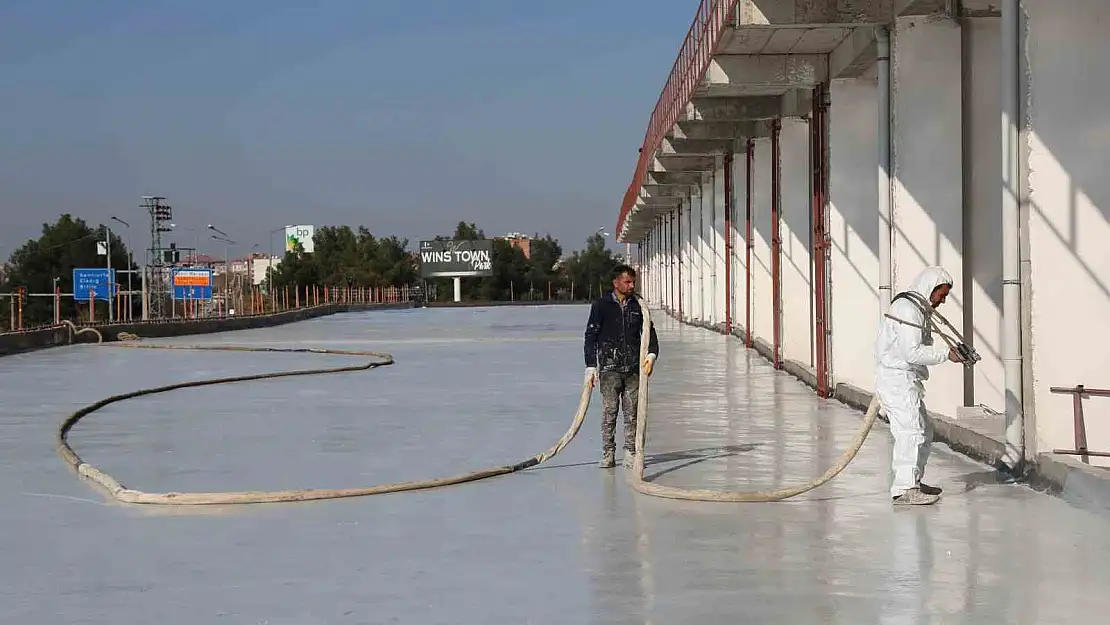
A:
[65,245]
[344,257]
[589,270]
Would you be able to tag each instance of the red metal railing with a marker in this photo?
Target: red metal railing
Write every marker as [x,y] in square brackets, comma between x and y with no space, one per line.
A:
[688,69]
[1077,394]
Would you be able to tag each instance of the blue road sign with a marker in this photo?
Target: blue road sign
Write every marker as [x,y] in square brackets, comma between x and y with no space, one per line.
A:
[96,280]
[191,283]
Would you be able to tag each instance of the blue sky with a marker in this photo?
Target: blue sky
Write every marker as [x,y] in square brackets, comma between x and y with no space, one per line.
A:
[404,116]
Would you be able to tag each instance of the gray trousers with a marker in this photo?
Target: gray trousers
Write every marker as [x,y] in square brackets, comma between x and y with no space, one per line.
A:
[618,389]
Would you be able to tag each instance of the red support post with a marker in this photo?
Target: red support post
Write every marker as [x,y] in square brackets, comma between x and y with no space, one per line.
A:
[818,145]
[728,241]
[776,242]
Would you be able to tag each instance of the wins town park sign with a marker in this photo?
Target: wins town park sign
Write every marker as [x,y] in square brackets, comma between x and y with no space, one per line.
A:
[456,259]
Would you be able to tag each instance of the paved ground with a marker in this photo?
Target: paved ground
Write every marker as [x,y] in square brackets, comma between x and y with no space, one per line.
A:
[564,543]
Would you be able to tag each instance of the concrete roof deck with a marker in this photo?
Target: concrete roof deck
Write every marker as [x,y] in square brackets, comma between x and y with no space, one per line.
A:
[562,543]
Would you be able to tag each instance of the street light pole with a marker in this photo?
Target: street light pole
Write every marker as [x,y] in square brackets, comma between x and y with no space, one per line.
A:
[227,263]
[108,264]
[269,275]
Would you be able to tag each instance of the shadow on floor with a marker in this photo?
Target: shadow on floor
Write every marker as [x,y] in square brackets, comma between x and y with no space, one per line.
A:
[694,456]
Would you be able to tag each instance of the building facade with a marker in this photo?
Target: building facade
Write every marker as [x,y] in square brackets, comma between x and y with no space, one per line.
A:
[808,158]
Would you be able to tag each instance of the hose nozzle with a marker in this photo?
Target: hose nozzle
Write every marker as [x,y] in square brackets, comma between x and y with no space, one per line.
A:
[968,354]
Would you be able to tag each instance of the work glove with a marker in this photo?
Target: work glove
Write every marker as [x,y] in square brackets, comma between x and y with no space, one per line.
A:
[591,376]
[649,363]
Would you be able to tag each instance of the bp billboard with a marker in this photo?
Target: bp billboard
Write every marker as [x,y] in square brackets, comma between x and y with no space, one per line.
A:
[302,235]
[449,259]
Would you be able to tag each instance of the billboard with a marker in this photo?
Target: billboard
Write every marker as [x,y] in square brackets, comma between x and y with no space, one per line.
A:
[299,234]
[95,280]
[447,259]
[191,283]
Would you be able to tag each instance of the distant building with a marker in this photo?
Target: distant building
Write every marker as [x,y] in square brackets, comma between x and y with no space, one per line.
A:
[520,241]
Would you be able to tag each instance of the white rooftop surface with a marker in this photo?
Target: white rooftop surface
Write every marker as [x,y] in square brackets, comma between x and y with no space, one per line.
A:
[564,543]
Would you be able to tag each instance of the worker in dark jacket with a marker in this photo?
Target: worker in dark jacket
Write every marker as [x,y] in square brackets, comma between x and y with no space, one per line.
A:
[612,350]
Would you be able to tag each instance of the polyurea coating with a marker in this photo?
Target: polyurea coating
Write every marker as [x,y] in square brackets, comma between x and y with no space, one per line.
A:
[562,542]
[636,476]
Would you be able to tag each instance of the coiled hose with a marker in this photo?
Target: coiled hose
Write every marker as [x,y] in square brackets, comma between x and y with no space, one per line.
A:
[123,494]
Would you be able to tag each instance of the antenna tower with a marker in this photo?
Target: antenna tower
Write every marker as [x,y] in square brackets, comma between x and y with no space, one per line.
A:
[158,289]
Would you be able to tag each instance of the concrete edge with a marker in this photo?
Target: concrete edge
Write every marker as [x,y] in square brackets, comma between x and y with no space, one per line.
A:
[498,303]
[58,336]
[1079,484]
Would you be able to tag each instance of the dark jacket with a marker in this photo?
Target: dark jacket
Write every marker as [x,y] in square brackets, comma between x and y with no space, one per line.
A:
[613,335]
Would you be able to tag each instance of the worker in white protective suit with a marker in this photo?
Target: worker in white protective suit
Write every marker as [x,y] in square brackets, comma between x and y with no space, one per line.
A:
[903,352]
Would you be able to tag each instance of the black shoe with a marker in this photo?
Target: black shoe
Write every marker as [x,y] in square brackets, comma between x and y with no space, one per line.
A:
[930,490]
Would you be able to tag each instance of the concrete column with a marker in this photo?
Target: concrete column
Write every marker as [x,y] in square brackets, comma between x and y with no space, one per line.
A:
[982,286]
[796,232]
[740,242]
[672,239]
[720,206]
[700,255]
[928,167]
[692,264]
[709,264]
[853,229]
[761,295]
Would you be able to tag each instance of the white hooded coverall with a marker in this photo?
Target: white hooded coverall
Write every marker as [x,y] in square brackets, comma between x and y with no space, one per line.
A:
[902,354]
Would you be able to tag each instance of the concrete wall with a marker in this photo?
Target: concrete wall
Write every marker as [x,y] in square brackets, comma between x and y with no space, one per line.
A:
[928,194]
[739,240]
[720,207]
[701,235]
[54,337]
[688,267]
[761,292]
[853,230]
[1069,235]
[982,287]
[796,236]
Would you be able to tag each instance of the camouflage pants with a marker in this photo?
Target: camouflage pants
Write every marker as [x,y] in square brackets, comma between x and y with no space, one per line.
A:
[618,389]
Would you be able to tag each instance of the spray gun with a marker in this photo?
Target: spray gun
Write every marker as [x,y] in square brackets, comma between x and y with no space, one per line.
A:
[968,355]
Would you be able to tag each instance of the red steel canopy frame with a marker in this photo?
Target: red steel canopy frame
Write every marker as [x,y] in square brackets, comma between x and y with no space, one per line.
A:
[688,70]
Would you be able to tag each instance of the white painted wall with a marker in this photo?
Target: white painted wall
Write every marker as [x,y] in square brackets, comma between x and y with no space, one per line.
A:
[709,270]
[797,206]
[672,258]
[983,219]
[740,242]
[853,230]
[720,205]
[1068,224]
[689,267]
[761,295]
[699,256]
[928,197]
